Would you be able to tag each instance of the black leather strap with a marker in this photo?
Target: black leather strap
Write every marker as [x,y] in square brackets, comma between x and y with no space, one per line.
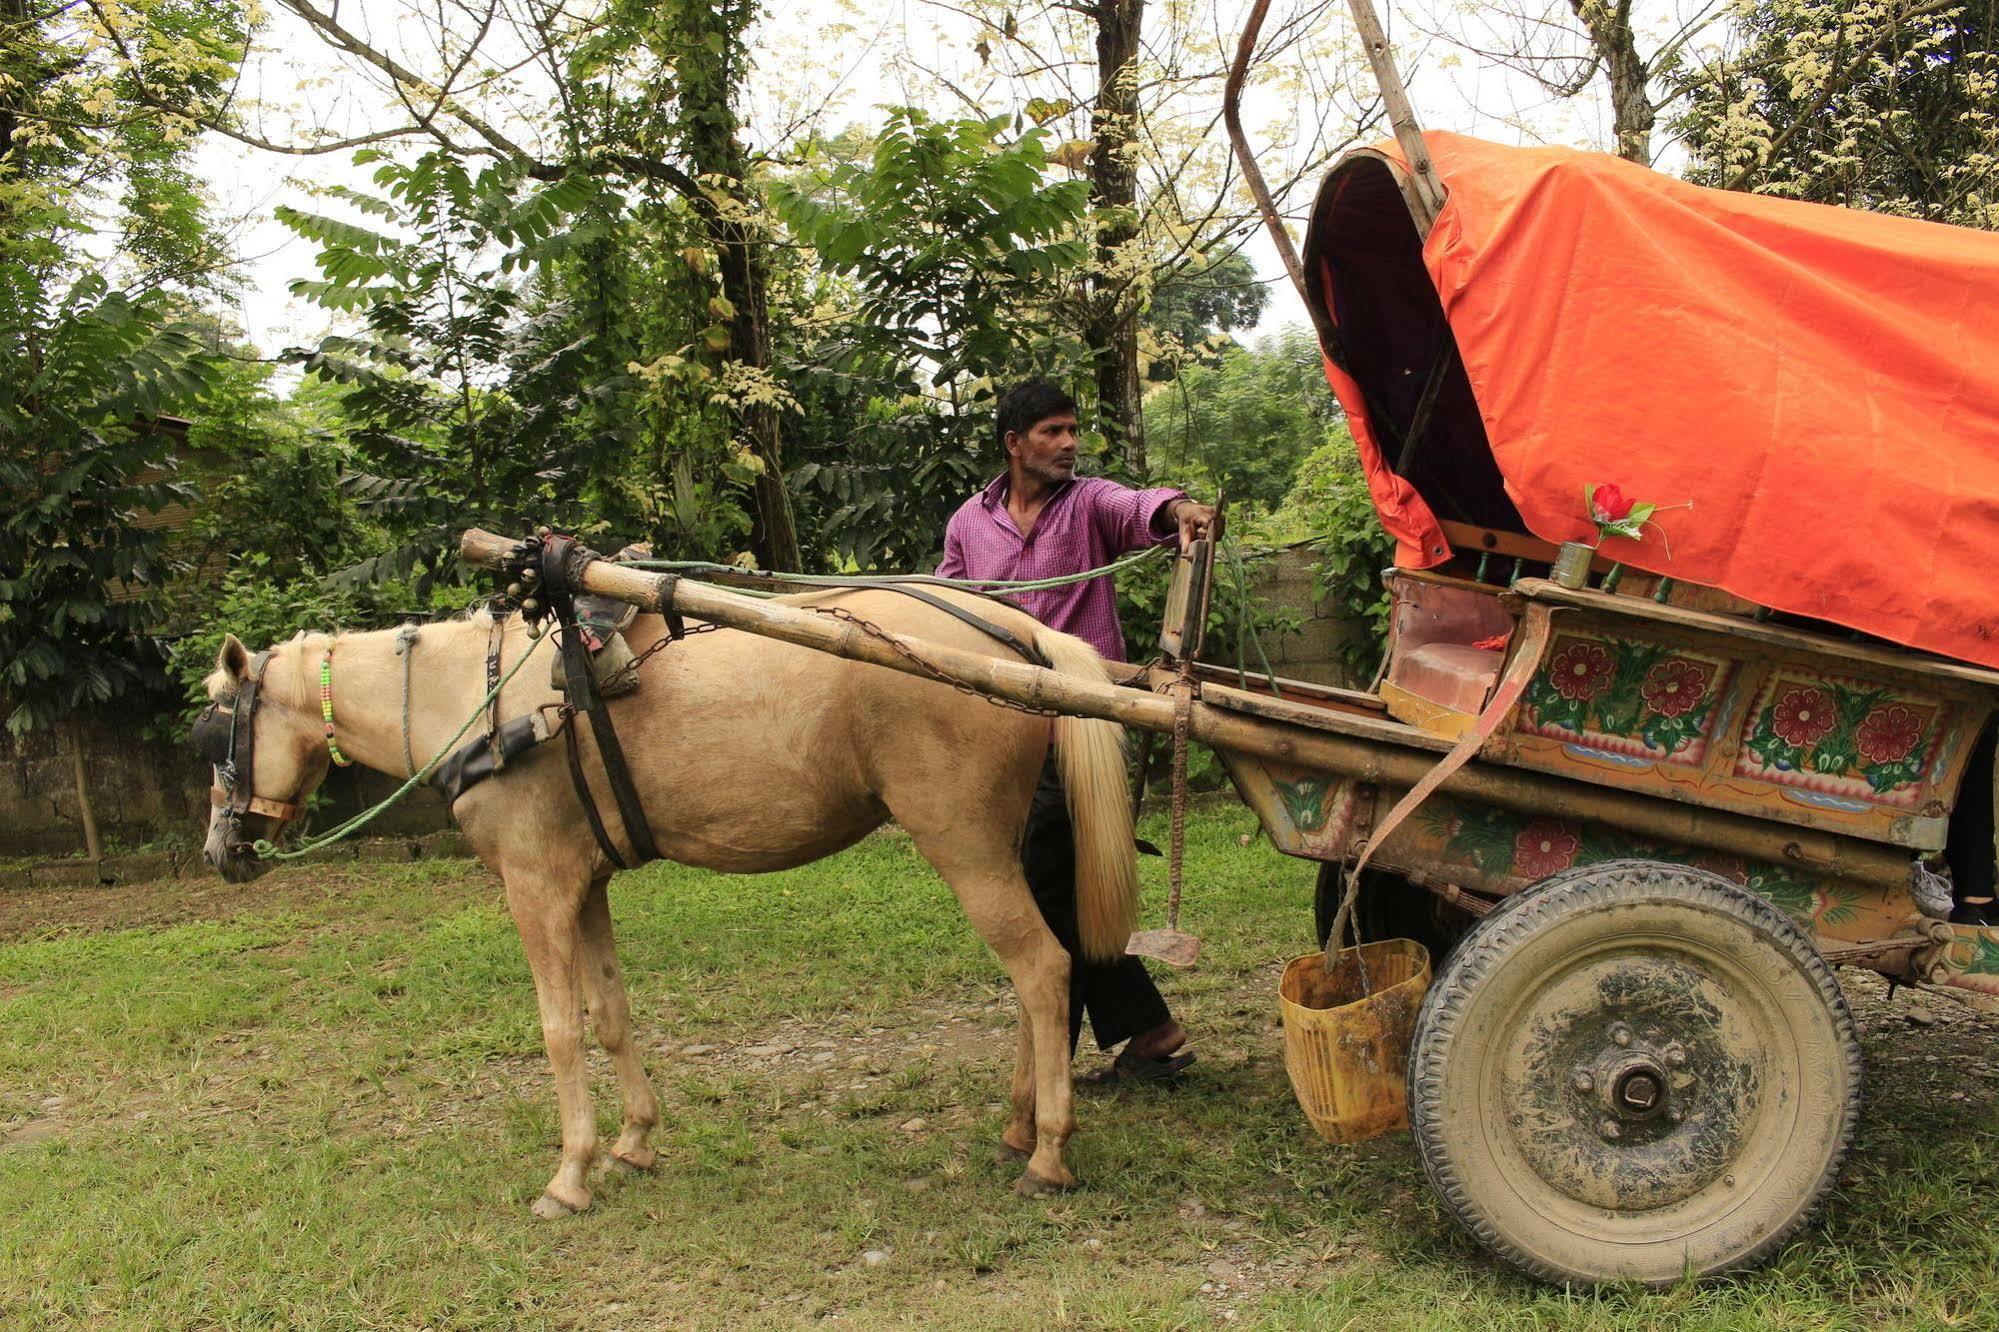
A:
[562,564]
[483,756]
[998,633]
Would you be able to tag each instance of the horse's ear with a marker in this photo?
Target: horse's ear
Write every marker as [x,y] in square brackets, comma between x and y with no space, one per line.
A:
[234,659]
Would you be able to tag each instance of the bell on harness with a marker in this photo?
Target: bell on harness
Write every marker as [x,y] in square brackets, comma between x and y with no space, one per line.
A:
[603,621]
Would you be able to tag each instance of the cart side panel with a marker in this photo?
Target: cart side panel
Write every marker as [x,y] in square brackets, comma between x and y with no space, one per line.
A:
[1782,725]
[1498,852]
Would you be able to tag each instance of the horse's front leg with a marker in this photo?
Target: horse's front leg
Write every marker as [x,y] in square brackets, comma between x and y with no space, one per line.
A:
[611,1017]
[548,916]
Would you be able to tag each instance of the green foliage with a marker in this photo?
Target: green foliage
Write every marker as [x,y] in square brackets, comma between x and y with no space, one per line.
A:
[1195,305]
[464,412]
[83,373]
[259,604]
[1856,104]
[943,251]
[1243,424]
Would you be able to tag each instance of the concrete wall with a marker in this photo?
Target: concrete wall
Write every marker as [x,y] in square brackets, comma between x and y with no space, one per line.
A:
[1315,652]
[149,791]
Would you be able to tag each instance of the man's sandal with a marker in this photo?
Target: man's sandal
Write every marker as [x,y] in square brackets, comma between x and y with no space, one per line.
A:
[1130,1066]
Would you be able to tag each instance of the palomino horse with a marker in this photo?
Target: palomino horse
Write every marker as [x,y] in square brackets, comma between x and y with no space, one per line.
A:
[749,755]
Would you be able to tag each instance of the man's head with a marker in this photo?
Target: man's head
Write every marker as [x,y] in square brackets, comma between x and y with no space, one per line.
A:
[1037,432]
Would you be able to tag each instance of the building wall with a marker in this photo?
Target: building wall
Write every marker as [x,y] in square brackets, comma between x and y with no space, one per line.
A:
[150,791]
[1315,652]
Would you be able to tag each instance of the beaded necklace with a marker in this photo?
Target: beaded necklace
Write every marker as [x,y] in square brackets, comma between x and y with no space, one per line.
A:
[326,707]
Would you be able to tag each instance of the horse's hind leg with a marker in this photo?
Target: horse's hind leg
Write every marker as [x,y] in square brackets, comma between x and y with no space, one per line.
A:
[995,897]
[547,916]
[611,1017]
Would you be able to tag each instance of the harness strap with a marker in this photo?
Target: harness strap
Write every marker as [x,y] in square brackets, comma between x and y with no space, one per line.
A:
[406,649]
[998,633]
[562,565]
[270,809]
[496,637]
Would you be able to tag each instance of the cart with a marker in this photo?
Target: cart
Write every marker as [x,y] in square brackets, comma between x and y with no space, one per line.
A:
[1639,813]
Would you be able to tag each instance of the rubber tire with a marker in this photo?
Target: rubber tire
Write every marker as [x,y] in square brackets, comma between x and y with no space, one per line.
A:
[1389,907]
[1478,1022]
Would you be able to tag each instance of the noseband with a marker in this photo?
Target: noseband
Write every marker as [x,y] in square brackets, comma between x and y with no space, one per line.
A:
[231,748]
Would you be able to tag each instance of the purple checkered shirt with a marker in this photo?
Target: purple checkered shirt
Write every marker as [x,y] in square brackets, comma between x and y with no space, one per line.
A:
[1086,524]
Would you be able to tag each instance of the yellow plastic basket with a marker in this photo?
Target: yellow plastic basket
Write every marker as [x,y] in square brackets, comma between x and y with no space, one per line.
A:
[1347,1052]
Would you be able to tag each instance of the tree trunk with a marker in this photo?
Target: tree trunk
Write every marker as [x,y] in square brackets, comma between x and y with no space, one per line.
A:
[711,60]
[1632,112]
[89,815]
[1113,330]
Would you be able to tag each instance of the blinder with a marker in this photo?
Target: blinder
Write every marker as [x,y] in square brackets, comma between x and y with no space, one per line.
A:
[227,738]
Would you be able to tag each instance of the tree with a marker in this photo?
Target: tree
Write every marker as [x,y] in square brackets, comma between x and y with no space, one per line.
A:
[1242,425]
[950,245]
[1887,105]
[93,350]
[1196,305]
[1565,45]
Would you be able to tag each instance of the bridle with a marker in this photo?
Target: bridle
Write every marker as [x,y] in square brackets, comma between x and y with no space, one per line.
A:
[231,748]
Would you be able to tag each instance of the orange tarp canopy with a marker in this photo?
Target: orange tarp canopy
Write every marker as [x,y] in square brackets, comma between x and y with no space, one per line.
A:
[1821,383]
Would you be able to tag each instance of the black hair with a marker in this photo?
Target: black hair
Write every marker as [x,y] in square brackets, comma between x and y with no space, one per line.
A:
[1029,403]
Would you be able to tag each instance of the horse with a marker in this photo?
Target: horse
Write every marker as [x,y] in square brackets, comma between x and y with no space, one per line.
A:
[748,755]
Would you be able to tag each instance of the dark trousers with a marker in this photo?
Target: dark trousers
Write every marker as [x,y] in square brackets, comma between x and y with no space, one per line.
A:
[1119,996]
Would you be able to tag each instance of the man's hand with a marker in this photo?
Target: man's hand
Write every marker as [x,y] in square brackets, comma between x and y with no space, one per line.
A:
[1194,520]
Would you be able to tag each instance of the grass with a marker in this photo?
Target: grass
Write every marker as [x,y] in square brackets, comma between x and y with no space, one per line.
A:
[320,1102]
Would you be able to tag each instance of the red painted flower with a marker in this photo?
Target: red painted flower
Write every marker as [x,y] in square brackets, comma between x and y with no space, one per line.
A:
[1889,734]
[1674,686]
[1581,670]
[1543,847]
[1802,717]
[1609,504]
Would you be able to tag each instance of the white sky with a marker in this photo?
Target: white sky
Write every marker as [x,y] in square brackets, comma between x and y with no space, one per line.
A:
[836,63]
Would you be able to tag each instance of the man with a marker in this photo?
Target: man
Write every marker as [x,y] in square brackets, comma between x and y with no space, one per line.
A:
[1040,520]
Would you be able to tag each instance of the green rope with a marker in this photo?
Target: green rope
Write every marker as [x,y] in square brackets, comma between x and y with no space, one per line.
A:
[268,851]
[1242,594]
[968,584]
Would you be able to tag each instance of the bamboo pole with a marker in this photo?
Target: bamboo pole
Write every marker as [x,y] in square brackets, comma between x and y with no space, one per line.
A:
[1366,748]
[1429,190]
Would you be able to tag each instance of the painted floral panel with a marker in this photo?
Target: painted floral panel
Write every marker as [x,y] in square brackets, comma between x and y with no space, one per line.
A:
[1634,699]
[1841,742]
[1511,851]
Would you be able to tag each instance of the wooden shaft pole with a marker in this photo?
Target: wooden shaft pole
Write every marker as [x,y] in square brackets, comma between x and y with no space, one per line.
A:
[1429,190]
[1371,752]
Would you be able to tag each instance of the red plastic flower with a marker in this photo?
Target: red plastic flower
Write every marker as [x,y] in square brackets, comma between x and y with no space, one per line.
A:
[1674,686]
[1608,504]
[1543,847]
[1889,734]
[1581,670]
[1802,717]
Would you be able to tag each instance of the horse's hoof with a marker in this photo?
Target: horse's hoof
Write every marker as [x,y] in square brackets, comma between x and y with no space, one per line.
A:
[1032,1185]
[548,1207]
[634,1163]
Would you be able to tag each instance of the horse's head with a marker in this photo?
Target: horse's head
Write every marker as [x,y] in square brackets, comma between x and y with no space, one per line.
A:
[267,752]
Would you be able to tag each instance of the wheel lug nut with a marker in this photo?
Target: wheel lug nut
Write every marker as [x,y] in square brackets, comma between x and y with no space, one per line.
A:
[1583,1082]
[1620,1034]
[1676,1057]
[1674,1114]
[1610,1130]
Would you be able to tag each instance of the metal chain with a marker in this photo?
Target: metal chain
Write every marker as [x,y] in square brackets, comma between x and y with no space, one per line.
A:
[928,667]
[631,668]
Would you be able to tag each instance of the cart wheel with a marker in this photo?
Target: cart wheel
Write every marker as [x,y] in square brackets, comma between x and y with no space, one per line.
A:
[1389,907]
[1634,1071]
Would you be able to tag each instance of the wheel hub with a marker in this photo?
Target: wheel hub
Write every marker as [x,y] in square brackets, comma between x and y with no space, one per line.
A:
[1636,1087]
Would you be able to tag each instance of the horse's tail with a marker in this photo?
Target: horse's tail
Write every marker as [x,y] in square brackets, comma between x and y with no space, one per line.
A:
[1090,756]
